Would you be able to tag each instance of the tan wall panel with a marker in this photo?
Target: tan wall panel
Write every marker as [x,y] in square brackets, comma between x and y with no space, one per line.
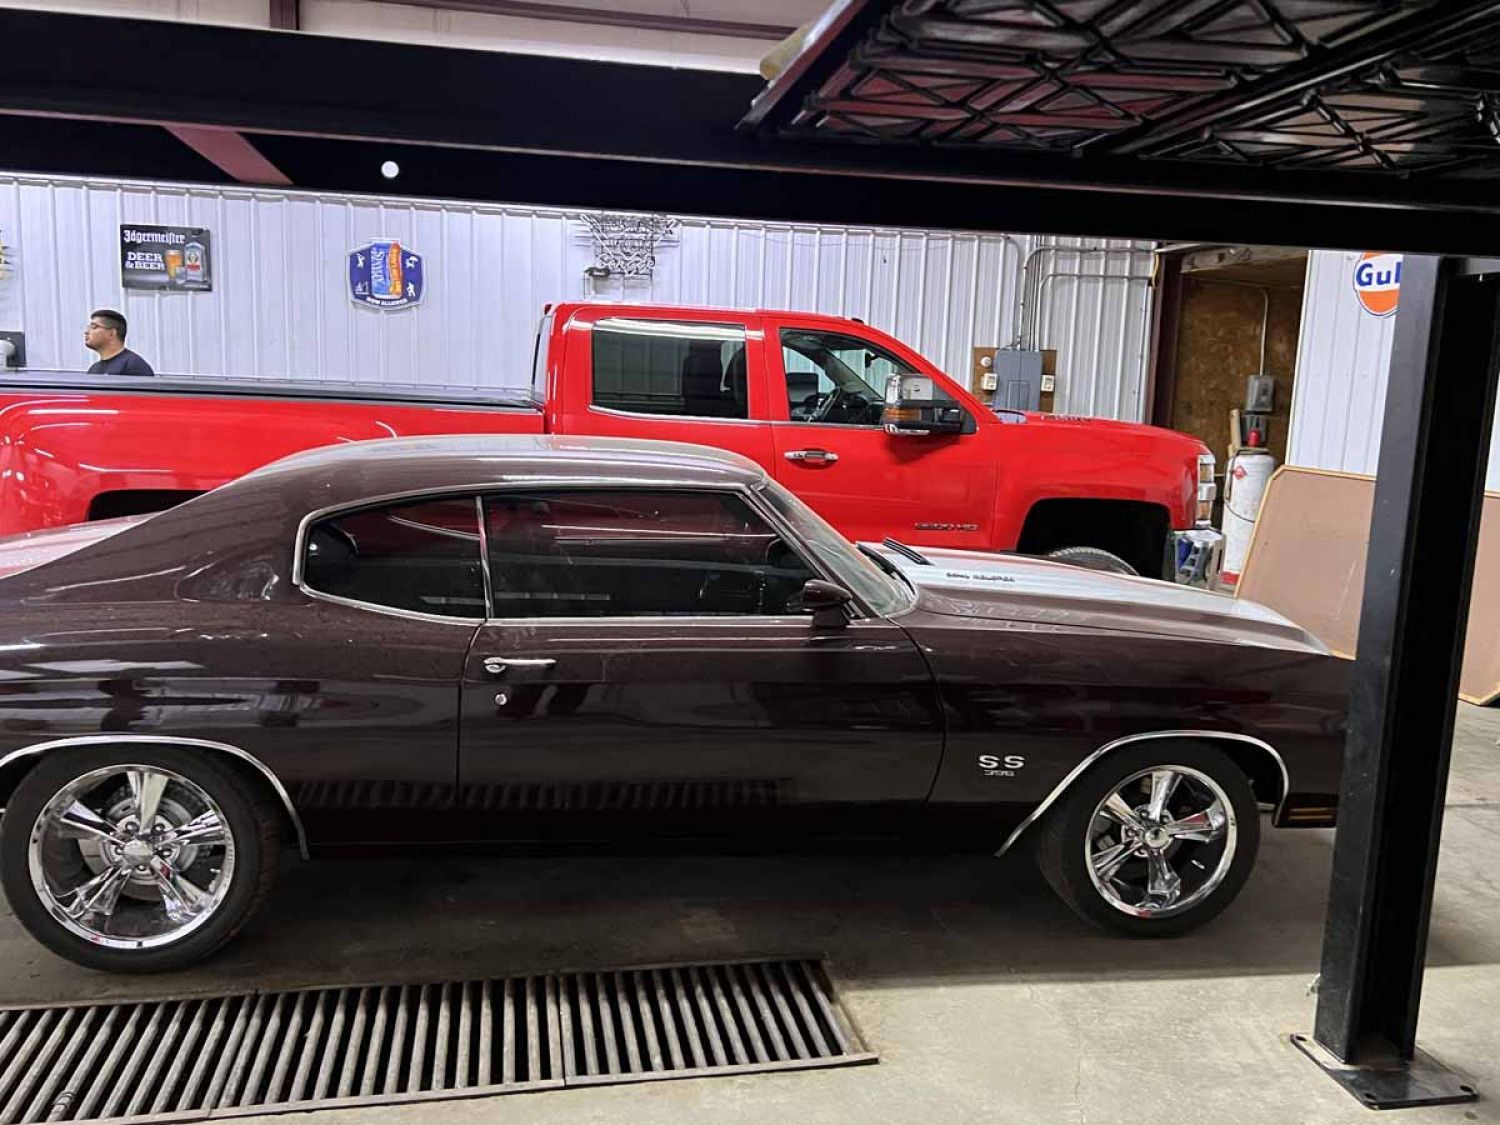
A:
[1307,561]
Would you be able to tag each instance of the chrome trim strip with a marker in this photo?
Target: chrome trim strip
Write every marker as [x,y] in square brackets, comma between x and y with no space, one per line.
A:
[1073,774]
[616,412]
[390,610]
[171,740]
[484,557]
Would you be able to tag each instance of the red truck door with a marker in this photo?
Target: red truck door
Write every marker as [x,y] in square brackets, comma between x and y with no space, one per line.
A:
[671,375]
[828,389]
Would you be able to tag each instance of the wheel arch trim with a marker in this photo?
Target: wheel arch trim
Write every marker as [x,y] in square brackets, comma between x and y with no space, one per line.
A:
[1077,771]
[39,748]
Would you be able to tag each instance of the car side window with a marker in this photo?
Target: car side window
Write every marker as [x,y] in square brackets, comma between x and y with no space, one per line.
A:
[667,367]
[630,553]
[419,556]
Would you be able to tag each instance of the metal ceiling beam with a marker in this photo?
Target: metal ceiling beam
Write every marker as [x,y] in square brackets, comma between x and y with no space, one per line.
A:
[828,43]
[1406,33]
[616,135]
[637,21]
[231,154]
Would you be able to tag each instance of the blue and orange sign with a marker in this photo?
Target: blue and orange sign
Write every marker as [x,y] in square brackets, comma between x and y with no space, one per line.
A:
[1377,282]
[385,275]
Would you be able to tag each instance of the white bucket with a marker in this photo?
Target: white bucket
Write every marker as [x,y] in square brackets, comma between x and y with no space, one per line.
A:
[1245,480]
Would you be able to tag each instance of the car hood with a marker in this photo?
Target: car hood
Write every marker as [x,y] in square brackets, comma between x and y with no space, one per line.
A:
[1028,590]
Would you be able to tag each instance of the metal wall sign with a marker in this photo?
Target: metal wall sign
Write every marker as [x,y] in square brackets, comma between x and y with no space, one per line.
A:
[1377,282]
[385,275]
[170,258]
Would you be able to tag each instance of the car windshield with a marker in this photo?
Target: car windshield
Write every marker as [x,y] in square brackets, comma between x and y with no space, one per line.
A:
[883,593]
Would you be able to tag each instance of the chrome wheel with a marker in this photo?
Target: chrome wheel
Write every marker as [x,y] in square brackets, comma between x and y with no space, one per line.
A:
[131,856]
[1161,841]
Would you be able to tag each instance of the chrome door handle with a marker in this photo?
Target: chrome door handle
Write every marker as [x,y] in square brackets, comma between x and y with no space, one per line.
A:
[812,456]
[499,665]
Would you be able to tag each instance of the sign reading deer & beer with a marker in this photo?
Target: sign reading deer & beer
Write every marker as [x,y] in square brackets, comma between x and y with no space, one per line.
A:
[165,258]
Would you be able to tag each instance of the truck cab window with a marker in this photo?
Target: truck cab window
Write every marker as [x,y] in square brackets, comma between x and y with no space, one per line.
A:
[836,379]
[666,367]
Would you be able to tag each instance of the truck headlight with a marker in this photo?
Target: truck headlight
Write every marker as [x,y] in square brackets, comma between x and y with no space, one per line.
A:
[1207,490]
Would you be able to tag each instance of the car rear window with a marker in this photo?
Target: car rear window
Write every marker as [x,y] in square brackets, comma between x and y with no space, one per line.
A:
[421,557]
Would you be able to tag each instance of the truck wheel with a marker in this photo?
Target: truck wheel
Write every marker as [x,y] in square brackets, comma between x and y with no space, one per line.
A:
[135,859]
[1153,841]
[1093,558]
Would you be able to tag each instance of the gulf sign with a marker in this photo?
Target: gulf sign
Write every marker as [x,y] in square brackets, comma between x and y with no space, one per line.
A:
[1377,282]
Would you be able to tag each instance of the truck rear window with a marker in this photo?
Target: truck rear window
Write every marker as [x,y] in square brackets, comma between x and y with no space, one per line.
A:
[669,367]
[539,358]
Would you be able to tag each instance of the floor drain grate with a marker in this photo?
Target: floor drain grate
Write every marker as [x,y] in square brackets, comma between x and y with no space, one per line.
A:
[194,1058]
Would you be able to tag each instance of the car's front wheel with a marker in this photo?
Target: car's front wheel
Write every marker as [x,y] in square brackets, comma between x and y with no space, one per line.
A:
[1152,841]
[135,859]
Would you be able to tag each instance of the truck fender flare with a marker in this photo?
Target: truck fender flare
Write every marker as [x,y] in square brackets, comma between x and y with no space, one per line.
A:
[1256,745]
[37,749]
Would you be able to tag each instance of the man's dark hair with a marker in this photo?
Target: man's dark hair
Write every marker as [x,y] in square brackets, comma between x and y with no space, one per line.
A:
[111,319]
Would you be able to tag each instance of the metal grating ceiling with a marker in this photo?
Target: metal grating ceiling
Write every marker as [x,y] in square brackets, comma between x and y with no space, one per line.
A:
[1405,86]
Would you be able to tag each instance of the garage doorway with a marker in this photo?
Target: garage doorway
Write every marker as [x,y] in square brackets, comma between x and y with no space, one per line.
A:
[1220,309]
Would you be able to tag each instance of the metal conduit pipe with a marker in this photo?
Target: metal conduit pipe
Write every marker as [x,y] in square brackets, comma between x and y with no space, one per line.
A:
[1148,278]
[1033,330]
[1030,281]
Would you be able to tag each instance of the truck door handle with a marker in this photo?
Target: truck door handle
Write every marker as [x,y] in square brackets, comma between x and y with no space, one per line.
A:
[812,456]
[499,665]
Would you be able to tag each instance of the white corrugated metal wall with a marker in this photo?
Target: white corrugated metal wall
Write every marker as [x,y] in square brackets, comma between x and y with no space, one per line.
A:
[280,309]
[1343,359]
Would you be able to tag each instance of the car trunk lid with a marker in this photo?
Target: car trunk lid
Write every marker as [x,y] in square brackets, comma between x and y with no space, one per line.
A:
[32,549]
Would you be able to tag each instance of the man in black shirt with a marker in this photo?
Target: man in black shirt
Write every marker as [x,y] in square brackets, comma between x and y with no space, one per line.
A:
[105,334]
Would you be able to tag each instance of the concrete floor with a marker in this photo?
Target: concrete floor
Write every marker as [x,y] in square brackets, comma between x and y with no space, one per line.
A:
[985,999]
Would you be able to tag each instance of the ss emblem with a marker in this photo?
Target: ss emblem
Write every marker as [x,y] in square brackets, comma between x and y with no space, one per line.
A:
[995,765]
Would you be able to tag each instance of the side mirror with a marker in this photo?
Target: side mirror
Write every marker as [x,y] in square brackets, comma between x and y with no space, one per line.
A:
[913,408]
[829,603]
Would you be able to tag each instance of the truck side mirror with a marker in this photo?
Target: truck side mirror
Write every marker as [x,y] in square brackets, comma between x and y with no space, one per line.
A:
[913,408]
[828,602]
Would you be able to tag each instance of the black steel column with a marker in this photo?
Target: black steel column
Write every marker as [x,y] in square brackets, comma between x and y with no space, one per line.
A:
[1439,405]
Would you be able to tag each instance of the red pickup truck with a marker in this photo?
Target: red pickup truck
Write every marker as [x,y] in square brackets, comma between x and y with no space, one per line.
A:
[869,433]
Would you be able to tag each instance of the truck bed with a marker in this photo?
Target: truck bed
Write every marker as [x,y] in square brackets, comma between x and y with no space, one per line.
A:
[414,394]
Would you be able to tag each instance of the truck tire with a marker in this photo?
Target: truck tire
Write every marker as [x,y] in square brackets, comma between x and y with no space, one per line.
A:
[91,886]
[1152,841]
[1093,558]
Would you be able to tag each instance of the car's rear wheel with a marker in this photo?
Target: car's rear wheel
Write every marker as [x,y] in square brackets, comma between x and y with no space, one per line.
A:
[1154,840]
[135,859]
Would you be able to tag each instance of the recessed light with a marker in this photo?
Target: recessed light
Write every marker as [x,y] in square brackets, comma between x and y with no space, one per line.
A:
[390,169]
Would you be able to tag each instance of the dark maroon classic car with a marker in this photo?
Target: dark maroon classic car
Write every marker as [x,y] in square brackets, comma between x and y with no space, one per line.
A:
[560,640]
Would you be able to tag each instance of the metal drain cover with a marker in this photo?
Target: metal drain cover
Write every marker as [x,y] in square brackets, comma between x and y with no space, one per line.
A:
[189,1059]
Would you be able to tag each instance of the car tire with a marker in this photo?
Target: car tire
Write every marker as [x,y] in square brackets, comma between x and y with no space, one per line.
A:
[1129,889]
[215,879]
[1093,558]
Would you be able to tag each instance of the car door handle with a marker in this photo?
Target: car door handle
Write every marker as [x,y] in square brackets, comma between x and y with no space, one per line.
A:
[499,665]
[812,456]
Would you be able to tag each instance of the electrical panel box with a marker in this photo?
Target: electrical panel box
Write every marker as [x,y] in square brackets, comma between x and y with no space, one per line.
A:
[1018,380]
[15,354]
[1260,394]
